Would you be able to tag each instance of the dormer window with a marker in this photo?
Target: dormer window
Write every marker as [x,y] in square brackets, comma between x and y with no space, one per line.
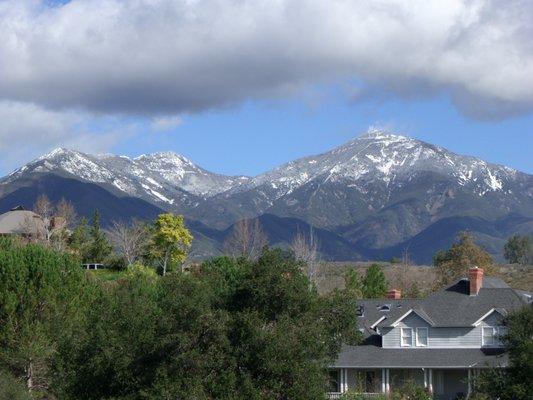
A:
[407,337]
[385,307]
[422,337]
[492,335]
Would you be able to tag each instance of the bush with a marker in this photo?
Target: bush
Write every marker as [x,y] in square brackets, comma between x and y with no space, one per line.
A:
[116,262]
[11,388]
[411,391]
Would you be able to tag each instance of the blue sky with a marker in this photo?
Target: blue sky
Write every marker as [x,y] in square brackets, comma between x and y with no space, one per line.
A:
[240,87]
[256,136]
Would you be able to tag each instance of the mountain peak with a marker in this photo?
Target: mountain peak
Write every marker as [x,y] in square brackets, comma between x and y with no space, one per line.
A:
[58,151]
[380,134]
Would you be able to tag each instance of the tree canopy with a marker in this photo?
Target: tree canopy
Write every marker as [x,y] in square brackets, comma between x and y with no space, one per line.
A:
[513,383]
[459,258]
[229,329]
[518,249]
[170,240]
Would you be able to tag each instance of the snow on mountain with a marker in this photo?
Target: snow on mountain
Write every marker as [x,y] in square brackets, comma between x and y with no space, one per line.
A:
[374,158]
[161,177]
[378,156]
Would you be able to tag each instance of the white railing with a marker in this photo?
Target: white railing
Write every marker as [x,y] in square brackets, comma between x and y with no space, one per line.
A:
[336,395]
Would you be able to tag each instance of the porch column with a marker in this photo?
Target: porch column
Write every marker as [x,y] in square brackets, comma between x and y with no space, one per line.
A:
[430,381]
[469,392]
[344,380]
[387,381]
[383,378]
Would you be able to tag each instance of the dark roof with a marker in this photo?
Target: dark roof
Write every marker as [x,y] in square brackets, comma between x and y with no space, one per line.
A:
[450,307]
[454,307]
[374,356]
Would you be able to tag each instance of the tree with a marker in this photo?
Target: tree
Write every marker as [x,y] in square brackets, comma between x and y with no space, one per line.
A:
[42,294]
[79,239]
[246,240]
[232,329]
[170,240]
[462,255]
[353,283]
[513,383]
[518,249]
[130,239]
[305,249]
[374,283]
[45,209]
[98,248]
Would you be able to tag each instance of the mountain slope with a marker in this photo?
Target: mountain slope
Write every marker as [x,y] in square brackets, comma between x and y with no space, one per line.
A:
[374,194]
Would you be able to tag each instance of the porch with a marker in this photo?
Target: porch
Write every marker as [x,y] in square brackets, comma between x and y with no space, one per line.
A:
[444,384]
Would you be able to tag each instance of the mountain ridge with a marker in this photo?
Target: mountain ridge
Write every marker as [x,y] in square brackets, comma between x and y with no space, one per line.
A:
[377,191]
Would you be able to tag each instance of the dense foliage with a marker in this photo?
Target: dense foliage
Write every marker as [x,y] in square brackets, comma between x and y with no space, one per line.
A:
[513,383]
[459,258]
[518,249]
[41,299]
[372,285]
[228,329]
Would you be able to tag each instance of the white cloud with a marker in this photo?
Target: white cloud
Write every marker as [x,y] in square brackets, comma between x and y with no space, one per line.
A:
[166,123]
[164,57]
[28,130]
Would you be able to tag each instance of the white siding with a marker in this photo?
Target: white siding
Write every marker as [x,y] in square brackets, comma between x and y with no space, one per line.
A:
[467,337]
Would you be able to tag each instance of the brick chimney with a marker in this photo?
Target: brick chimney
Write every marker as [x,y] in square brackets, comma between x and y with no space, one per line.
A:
[394,294]
[475,276]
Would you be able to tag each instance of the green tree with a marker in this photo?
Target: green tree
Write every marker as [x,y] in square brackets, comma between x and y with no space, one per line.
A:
[12,388]
[353,283]
[462,255]
[513,383]
[41,297]
[80,239]
[233,328]
[170,240]
[518,249]
[99,247]
[374,283]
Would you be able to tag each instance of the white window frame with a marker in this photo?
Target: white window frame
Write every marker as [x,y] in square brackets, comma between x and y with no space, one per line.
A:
[418,343]
[497,333]
[402,336]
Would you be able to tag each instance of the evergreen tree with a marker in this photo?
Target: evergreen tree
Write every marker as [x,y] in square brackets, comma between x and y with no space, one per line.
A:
[354,283]
[99,247]
[41,297]
[518,249]
[374,283]
[80,239]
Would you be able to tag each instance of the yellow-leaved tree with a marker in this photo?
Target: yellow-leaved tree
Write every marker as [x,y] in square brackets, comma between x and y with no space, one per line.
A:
[170,240]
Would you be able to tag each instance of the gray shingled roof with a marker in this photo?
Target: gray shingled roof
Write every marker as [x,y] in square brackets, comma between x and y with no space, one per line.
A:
[449,307]
[453,306]
[374,356]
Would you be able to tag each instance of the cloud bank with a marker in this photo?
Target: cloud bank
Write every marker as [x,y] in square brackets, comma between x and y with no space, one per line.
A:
[163,57]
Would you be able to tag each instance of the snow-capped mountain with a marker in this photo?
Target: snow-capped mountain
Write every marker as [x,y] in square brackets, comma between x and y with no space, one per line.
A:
[378,192]
[163,178]
[381,157]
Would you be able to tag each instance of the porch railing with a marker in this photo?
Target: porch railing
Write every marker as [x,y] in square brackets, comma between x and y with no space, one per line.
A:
[369,396]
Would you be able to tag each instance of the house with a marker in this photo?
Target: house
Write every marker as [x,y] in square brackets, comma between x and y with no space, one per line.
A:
[440,342]
[19,221]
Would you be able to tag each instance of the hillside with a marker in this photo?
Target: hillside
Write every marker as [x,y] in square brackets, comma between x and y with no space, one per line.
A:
[371,198]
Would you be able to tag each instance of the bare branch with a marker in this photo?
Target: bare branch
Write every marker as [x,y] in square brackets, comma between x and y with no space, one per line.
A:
[130,239]
[247,239]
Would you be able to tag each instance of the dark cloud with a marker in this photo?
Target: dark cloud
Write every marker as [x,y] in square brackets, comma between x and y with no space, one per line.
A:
[163,57]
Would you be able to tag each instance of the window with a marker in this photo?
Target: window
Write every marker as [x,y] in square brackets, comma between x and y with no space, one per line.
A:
[407,337]
[422,337]
[492,335]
